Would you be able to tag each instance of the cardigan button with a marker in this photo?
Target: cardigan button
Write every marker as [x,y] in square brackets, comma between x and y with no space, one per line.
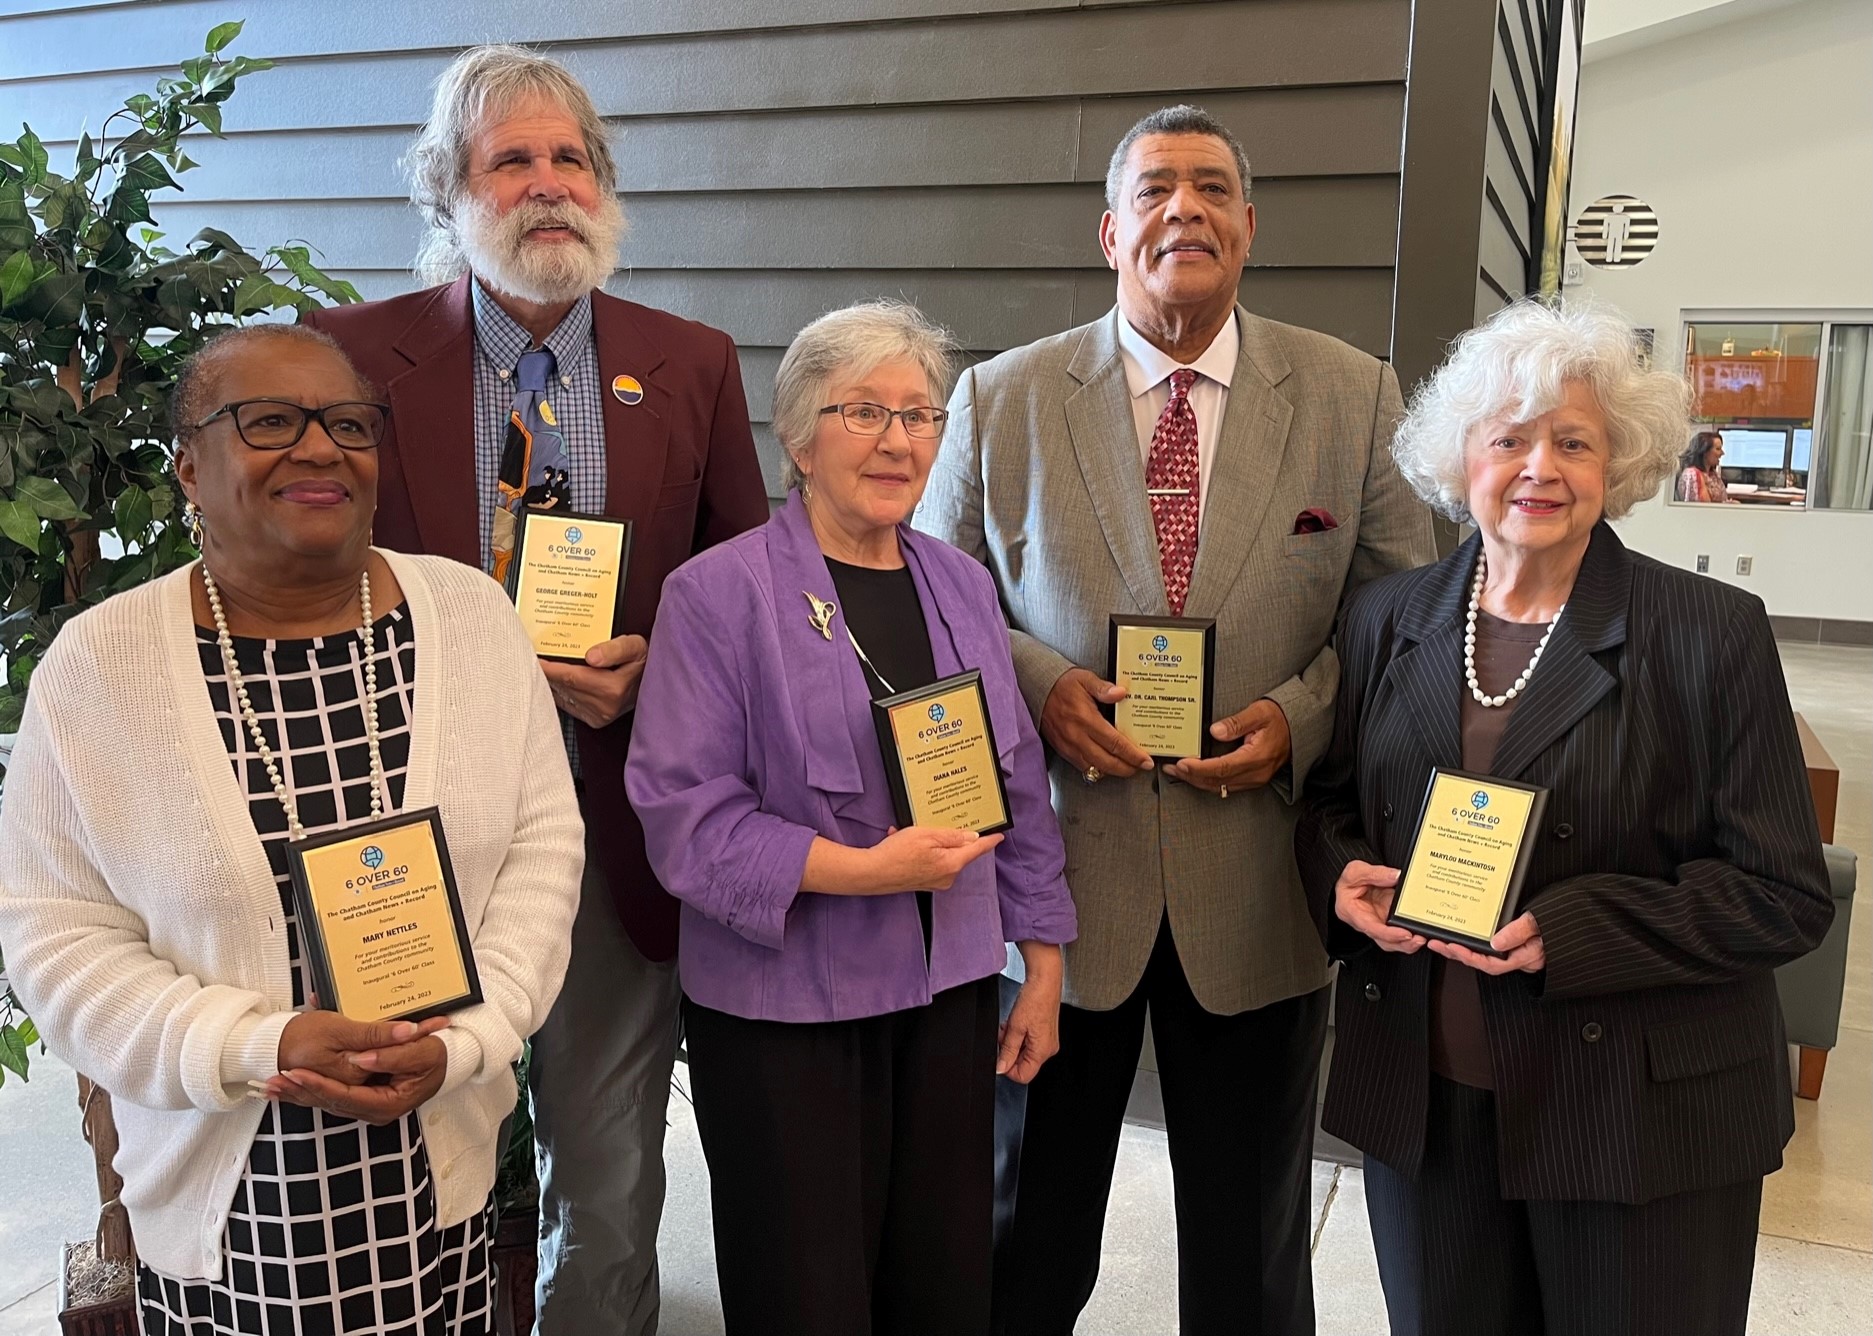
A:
[1592,1032]
[1564,831]
[1372,992]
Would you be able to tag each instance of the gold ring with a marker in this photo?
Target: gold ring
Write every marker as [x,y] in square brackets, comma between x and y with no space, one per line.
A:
[1225,790]
[1092,775]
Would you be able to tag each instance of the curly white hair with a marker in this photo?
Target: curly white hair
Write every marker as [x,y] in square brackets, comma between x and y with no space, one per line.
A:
[1517,364]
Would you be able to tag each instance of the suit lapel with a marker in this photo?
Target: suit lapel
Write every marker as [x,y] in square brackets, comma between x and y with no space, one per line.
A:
[1099,418]
[1249,452]
[1428,676]
[433,432]
[1569,681]
[637,436]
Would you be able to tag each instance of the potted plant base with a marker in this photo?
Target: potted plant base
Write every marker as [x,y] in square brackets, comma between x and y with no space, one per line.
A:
[514,1253]
[96,1297]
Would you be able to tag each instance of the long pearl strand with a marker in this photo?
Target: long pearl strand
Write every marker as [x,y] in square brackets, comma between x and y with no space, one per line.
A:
[1469,646]
[295,830]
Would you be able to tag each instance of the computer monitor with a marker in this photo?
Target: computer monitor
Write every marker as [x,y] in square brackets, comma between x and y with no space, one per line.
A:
[1754,448]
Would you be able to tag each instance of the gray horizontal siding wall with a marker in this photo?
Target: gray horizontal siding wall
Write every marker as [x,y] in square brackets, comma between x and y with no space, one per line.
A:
[782,157]
[1512,185]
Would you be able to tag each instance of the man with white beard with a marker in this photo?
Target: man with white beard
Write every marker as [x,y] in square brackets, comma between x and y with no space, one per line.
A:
[641,416]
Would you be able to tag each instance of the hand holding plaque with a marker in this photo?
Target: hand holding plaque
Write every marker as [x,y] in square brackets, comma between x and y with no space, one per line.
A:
[1167,666]
[567,580]
[1463,878]
[940,757]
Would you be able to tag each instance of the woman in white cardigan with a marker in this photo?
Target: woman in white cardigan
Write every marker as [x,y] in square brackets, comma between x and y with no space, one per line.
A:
[286,1168]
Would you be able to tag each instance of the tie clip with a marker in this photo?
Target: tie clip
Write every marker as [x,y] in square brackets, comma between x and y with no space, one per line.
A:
[1167,491]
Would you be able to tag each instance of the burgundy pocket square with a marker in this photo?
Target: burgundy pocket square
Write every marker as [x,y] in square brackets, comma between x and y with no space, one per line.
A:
[1314,520]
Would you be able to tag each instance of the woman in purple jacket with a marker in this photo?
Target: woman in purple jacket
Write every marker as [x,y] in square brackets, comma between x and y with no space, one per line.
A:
[839,973]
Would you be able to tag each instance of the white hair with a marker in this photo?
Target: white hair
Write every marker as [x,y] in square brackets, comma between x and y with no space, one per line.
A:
[485,83]
[1518,364]
[849,343]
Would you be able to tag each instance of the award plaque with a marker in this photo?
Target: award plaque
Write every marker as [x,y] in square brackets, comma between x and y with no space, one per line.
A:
[1463,877]
[940,756]
[1168,667]
[567,580]
[380,920]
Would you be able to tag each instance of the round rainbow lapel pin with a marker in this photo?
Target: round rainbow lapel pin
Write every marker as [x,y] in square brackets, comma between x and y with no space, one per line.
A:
[628,390]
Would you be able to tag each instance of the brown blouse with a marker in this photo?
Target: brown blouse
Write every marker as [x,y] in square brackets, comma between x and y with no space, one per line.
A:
[1459,1045]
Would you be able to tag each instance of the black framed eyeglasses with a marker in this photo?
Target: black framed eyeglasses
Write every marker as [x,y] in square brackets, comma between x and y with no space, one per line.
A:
[875,419]
[276,424]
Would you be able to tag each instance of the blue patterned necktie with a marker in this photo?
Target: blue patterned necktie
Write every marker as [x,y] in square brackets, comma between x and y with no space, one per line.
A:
[536,469]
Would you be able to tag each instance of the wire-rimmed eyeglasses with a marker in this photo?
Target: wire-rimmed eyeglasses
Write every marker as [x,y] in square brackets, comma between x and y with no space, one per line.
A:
[863,419]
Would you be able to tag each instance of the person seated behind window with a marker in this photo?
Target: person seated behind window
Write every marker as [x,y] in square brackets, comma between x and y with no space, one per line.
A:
[1700,477]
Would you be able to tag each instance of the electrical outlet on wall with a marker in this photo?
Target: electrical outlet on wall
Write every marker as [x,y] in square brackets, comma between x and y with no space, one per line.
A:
[1744,565]
[1703,563]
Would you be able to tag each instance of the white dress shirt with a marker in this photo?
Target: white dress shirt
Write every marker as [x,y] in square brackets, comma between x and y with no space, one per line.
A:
[1148,376]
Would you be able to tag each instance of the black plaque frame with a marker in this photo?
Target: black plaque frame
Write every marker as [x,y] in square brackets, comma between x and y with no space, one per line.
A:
[1207,625]
[882,709]
[514,564]
[1512,898]
[312,937]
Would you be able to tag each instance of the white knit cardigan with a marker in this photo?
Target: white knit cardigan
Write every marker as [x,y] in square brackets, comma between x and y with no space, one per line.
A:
[143,929]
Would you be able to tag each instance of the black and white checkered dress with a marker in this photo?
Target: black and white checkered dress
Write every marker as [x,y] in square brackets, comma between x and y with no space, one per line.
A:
[333,1226]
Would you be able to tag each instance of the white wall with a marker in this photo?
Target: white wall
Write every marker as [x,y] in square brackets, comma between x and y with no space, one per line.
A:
[1754,142]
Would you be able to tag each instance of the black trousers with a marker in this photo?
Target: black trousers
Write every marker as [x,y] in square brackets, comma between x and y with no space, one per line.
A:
[1239,1112]
[851,1167]
[1456,1259]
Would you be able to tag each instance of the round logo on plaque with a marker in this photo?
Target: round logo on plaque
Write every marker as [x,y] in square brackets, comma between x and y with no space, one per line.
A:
[936,714]
[1160,643]
[372,857]
[573,534]
[1479,800]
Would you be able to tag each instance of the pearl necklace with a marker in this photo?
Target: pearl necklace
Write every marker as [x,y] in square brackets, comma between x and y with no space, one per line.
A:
[294,829]
[1469,647]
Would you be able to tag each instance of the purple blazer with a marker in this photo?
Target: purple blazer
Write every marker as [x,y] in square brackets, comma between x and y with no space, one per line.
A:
[754,734]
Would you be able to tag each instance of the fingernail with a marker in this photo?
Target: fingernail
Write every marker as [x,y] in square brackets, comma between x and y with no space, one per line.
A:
[403,1030]
[260,1085]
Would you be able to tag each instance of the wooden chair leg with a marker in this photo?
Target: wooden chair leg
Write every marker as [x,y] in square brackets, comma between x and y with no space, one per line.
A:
[1813,1067]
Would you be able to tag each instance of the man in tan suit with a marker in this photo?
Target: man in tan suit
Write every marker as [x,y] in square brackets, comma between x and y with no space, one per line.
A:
[1179,456]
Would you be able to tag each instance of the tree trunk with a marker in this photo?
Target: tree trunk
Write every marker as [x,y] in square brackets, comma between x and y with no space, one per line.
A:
[113,1240]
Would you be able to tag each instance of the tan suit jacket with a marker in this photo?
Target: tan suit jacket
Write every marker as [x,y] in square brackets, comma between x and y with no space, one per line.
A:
[1041,477]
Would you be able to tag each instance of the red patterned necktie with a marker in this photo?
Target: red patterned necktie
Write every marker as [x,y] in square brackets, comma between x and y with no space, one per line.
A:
[1172,481]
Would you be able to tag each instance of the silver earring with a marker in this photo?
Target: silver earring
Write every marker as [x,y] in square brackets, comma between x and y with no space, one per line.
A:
[192,516]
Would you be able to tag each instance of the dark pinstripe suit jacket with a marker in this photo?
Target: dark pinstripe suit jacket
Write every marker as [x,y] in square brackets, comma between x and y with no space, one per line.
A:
[1679,864]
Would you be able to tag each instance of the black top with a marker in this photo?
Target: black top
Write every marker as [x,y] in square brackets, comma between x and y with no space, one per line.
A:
[886,618]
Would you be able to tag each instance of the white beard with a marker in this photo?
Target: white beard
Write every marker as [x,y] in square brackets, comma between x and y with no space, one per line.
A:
[499,253]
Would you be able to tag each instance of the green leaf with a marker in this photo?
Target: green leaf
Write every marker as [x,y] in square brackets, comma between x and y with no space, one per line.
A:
[147,173]
[56,299]
[33,156]
[17,275]
[128,205]
[134,513]
[12,157]
[223,33]
[12,1051]
[29,1033]
[19,522]
[255,293]
[12,707]
[48,500]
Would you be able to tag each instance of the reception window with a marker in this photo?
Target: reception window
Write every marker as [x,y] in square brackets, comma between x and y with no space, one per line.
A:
[1784,414]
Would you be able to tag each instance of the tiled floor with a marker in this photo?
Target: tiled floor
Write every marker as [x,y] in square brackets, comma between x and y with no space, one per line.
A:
[1814,1268]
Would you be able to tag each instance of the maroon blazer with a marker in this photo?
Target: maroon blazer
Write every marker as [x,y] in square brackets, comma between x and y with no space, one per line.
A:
[680,465]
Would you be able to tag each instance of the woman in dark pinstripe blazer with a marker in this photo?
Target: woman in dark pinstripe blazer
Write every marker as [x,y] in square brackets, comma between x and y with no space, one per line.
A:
[1568,1138]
